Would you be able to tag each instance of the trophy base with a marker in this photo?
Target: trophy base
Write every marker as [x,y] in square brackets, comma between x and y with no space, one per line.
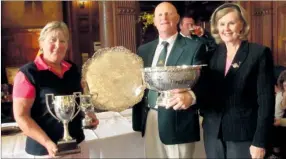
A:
[67,147]
[88,127]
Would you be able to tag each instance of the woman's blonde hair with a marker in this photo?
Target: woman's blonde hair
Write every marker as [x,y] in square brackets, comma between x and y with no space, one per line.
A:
[53,26]
[222,11]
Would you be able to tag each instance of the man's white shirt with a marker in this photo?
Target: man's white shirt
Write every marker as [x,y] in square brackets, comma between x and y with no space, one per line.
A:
[185,36]
[171,40]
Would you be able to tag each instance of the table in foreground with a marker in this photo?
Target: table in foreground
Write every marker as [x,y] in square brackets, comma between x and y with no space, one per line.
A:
[113,138]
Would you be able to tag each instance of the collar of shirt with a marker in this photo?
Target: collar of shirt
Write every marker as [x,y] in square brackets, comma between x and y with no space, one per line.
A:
[42,65]
[171,40]
[185,36]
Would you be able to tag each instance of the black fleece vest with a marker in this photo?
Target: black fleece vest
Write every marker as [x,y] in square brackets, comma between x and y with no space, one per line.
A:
[47,82]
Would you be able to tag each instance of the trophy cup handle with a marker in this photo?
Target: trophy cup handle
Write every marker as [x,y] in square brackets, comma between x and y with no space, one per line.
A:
[76,95]
[48,105]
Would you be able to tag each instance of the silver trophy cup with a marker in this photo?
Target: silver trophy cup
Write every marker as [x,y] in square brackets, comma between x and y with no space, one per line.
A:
[65,111]
[163,79]
[87,107]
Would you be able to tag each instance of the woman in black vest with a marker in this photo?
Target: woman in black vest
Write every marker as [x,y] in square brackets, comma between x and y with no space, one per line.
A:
[48,73]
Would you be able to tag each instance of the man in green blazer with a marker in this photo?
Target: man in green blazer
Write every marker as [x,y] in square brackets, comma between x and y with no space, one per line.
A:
[170,131]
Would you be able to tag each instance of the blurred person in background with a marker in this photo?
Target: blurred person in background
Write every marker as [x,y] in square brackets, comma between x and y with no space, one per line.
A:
[279,138]
[189,29]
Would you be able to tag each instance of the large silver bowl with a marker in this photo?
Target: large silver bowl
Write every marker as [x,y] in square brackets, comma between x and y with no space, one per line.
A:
[171,77]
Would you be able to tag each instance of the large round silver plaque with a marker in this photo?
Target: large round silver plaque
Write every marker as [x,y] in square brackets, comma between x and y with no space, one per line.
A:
[112,76]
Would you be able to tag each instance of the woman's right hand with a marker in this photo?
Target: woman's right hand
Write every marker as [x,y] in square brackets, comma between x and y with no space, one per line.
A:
[51,148]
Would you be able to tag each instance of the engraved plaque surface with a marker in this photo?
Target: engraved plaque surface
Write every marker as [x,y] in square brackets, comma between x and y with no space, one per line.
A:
[113,76]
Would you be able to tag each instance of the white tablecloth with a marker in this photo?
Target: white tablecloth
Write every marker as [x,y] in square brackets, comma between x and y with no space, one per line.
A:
[113,138]
[116,138]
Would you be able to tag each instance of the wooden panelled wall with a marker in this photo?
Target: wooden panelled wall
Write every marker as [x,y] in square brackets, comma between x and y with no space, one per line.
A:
[113,23]
[19,46]
[117,18]
[118,23]
[83,22]
[268,26]
[125,24]
[21,25]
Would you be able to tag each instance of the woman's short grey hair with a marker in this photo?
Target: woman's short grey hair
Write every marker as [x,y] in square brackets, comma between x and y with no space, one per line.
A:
[222,11]
[54,25]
